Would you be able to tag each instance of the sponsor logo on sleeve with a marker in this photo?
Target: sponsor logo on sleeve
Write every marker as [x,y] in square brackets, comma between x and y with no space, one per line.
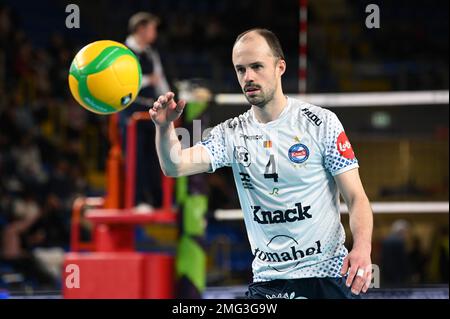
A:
[344,147]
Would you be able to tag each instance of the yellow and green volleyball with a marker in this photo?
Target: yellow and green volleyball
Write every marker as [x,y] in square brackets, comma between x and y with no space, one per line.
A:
[105,77]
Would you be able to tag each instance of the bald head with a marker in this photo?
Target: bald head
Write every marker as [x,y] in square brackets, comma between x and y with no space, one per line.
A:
[250,47]
[268,36]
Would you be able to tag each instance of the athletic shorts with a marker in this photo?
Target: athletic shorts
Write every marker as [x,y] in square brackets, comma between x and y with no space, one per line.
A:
[304,288]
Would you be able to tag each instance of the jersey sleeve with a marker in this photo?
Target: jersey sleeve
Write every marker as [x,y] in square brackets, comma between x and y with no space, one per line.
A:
[215,144]
[339,154]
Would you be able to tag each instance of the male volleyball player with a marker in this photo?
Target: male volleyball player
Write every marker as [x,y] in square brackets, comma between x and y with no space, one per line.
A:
[290,161]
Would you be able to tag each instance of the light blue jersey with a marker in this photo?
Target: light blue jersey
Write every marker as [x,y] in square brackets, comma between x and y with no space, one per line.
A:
[283,172]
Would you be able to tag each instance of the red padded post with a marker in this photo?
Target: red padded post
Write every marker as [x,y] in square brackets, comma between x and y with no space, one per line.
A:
[114,238]
[103,276]
[159,276]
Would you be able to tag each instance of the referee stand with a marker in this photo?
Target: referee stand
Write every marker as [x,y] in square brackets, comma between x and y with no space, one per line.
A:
[109,266]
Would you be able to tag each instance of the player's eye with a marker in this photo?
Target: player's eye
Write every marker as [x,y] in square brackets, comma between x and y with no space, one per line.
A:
[257,67]
[240,70]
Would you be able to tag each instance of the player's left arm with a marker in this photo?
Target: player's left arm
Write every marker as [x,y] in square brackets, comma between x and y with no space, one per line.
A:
[358,262]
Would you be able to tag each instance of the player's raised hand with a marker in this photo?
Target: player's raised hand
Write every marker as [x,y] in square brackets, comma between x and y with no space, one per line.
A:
[166,110]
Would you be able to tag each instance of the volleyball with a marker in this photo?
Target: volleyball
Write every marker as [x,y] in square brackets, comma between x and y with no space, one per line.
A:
[105,77]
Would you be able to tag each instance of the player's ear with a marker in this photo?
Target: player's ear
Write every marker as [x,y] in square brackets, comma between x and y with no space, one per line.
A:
[281,66]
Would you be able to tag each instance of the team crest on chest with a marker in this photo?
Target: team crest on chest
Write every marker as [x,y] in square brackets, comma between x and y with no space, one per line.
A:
[298,153]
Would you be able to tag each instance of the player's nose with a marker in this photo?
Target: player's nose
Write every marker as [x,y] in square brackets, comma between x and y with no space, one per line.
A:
[249,76]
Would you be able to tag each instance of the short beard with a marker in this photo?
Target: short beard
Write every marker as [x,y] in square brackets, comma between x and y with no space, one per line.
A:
[262,101]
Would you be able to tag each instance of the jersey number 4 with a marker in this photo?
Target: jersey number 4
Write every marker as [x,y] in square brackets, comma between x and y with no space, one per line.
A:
[271,170]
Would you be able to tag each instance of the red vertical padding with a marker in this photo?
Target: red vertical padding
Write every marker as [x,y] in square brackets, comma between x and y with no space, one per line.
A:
[130,175]
[103,276]
[110,238]
[159,276]
[167,189]
[114,166]
[111,275]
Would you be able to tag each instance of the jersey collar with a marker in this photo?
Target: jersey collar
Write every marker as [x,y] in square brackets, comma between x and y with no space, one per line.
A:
[282,115]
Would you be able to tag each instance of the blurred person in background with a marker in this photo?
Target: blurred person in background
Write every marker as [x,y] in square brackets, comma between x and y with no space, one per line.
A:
[439,264]
[15,241]
[27,157]
[143,28]
[395,266]
[418,259]
[39,154]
